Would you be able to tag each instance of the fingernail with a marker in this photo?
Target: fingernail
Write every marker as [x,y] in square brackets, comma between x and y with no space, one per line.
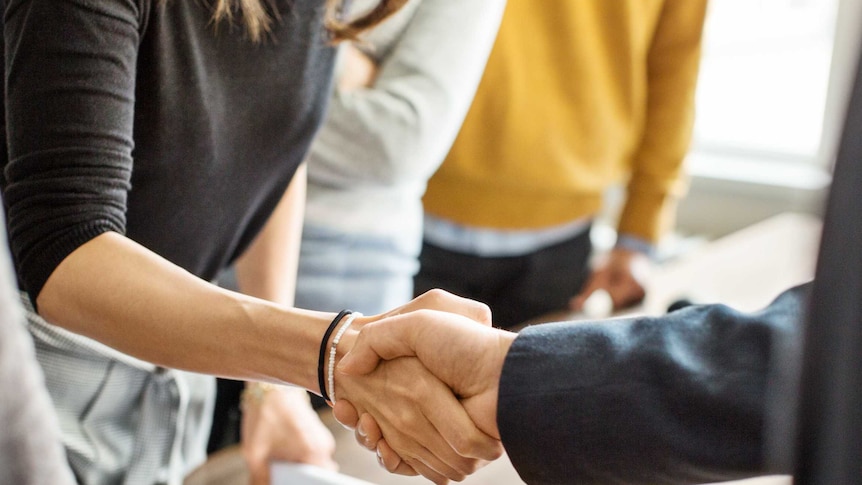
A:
[361,431]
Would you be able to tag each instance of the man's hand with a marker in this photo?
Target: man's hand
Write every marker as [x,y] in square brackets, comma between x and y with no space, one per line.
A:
[420,416]
[279,424]
[466,356]
[623,274]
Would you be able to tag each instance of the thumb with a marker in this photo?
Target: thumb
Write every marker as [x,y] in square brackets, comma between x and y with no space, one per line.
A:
[385,339]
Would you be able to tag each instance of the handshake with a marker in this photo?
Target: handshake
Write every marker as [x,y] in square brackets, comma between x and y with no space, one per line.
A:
[419,385]
[677,398]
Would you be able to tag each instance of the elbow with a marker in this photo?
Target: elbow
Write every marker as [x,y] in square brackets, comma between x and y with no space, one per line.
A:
[400,137]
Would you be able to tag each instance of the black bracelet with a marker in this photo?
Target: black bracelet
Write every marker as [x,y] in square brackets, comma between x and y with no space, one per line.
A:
[321,378]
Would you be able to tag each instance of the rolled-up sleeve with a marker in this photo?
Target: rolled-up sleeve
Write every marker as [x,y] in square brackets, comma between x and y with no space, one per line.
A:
[70,76]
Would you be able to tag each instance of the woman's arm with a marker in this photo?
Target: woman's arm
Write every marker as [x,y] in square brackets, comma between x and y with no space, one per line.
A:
[70,92]
[115,291]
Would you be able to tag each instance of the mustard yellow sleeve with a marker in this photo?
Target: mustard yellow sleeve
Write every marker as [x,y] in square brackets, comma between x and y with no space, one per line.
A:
[656,181]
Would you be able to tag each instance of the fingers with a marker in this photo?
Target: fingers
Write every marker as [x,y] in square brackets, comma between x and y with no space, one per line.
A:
[609,288]
[399,342]
[463,436]
[626,294]
[599,279]
[345,413]
[368,434]
[426,451]
[380,340]
[388,459]
[401,336]
[411,407]
[449,442]
[441,300]
[429,473]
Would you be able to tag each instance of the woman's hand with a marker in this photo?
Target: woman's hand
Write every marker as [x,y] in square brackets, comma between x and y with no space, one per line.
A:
[279,424]
[423,421]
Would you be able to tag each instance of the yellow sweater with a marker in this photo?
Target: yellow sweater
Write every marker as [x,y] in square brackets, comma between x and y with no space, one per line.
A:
[577,95]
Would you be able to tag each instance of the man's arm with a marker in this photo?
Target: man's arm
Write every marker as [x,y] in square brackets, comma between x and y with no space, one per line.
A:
[667,400]
[672,67]
[655,183]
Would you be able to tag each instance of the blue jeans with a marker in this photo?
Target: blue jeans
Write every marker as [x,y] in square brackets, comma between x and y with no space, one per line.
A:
[365,273]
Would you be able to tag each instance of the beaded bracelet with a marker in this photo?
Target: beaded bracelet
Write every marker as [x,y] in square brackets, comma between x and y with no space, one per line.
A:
[347,322]
[321,378]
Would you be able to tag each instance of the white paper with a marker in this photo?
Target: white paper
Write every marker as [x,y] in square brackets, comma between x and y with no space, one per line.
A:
[300,474]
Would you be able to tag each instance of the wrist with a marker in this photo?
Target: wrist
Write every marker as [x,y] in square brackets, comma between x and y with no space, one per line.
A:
[333,352]
[345,344]
[282,343]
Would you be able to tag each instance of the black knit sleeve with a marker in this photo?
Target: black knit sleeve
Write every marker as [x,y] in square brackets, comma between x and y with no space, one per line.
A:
[70,74]
[670,400]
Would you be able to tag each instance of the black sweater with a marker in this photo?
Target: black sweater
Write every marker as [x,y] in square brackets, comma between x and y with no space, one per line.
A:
[144,118]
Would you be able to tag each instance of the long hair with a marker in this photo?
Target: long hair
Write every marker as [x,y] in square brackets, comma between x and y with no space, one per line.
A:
[258,21]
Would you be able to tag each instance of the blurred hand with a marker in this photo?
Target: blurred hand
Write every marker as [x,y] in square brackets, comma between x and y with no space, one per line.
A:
[623,273]
[281,425]
[358,70]
[420,416]
[466,356]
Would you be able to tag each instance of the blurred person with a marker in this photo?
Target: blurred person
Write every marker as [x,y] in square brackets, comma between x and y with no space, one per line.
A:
[31,452]
[704,393]
[400,95]
[577,96]
[150,145]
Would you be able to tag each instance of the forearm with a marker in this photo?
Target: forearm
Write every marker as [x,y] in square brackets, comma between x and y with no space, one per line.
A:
[676,399]
[143,305]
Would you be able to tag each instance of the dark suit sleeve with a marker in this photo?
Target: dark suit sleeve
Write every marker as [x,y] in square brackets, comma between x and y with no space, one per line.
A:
[666,400]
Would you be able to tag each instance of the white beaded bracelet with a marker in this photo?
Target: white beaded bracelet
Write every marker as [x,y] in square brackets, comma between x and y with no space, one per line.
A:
[331,375]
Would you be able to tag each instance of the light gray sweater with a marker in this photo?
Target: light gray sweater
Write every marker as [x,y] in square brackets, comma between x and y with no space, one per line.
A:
[370,161]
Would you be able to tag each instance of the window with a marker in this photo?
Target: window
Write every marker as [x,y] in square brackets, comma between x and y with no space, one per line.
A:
[763,89]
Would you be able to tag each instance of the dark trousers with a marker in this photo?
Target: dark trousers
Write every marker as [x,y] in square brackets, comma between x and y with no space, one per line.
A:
[516,288]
